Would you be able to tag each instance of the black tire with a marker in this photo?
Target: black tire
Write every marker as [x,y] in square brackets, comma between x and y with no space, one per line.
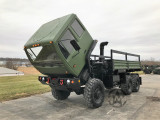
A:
[80,91]
[147,72]
[60,95]
[127,87]
[94,93]
[135,85]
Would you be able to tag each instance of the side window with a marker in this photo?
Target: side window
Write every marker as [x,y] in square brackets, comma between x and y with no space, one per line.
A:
[77,28]
[65,45]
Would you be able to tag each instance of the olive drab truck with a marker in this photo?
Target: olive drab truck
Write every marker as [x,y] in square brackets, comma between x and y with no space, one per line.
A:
[62,50]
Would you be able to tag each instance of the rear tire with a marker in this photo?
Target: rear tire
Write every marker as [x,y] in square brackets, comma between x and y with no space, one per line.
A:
[147,72]
[136,85]
[60,95]
[94,93]
[127,87]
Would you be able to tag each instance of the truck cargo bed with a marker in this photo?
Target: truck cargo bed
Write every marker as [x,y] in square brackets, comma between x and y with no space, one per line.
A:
[119,65]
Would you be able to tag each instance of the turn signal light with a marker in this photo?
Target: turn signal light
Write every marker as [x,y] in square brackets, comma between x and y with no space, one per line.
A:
[36,45]
[51,42]
[72,81]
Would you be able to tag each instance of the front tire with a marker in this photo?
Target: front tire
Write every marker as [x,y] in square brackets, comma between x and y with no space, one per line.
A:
[94,93]
[59,94]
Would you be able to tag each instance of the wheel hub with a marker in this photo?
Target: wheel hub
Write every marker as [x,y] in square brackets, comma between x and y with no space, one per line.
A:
[97,94]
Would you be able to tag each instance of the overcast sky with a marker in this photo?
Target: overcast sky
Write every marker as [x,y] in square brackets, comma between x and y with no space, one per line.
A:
[128,25]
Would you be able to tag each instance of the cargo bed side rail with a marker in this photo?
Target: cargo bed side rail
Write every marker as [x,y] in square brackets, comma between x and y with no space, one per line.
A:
[125,64]
[124,53]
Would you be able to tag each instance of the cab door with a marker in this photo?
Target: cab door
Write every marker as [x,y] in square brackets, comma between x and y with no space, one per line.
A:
[71,55]
[75,58]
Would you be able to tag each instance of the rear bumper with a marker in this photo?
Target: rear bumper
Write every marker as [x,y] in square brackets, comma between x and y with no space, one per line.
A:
[61,83]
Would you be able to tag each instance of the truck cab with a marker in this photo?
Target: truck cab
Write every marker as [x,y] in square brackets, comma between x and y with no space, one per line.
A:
[50,49]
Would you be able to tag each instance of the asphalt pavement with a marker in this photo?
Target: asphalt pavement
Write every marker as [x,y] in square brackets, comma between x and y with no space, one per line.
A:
[139,105]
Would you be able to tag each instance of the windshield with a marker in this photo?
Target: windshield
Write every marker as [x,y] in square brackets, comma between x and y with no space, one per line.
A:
[43,54]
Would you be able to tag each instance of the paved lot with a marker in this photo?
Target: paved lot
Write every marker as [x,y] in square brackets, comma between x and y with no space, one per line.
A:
[9,72]
[142,105]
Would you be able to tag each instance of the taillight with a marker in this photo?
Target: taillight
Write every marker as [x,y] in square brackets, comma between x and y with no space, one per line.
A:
[48,80]
[61,82]
[72,81]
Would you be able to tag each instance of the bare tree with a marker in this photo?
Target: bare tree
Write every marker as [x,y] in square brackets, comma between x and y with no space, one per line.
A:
[10,64]
[152,59]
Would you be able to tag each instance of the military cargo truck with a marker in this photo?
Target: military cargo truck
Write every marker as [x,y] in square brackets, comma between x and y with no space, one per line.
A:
[156,70]
[148,69]
[62,50]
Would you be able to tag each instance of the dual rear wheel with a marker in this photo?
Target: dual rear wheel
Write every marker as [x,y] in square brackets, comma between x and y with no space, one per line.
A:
[131,85]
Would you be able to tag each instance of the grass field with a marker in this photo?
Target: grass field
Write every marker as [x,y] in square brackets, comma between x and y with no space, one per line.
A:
[12,87]
[139,72]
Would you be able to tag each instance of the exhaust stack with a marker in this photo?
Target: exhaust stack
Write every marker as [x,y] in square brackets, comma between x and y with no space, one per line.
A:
[102,49]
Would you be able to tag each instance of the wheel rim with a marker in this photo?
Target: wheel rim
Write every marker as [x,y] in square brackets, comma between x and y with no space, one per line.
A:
[97,96]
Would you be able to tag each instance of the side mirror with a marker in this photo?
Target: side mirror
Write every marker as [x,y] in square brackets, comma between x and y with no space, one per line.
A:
[75,45]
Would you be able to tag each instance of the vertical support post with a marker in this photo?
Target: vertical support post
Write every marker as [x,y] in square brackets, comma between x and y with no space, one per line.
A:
[139,58]
[111,54]
[126,56]
[126,60]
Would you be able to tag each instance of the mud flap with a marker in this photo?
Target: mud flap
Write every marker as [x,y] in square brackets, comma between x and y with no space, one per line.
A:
[140,80]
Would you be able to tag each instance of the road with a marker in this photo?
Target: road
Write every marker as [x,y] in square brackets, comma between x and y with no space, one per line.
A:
[144,105]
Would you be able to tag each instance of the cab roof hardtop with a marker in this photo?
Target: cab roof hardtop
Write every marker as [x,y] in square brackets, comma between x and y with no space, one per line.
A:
[50,31]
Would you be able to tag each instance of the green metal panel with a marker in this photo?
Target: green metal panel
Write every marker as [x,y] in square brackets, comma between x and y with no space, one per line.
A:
[122,64]
[50,31]
[53,31]
[84,41]
[52,70]
[119,64]
[134,65]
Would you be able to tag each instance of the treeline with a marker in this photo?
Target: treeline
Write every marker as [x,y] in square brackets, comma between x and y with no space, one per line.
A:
[14,59]
[147,62]
[14,63]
